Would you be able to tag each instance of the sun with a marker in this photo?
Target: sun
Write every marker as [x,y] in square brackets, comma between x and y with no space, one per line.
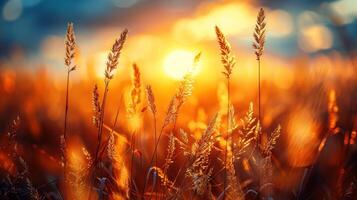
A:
[178,62]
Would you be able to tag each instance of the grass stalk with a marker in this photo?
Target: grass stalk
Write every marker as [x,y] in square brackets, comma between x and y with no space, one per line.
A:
[258,46]
[132,143]
[227,138]
[113,59]
[183,92]
[70,46]
[228,61]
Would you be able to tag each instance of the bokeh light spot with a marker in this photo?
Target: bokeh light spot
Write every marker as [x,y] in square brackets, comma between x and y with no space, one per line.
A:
[12,10]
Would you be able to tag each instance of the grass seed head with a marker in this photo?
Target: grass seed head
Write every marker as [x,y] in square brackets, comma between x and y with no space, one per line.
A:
[227,59]
[70,46]
[259,34]
[113,56]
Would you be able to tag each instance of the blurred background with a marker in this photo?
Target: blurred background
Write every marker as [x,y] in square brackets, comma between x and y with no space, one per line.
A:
[309,61]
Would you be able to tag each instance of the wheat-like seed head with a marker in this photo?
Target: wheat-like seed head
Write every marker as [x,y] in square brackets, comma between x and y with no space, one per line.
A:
[228,60]
[151,99]
[88,157]
[78,173]
[201,182]
[114,55]
[172,111]
[183,136]
[248,132]
[111,146]
[234,189]
[170,152]
[96,106]
[136,90]
[185,88]
[232,121]
[186,85]
[70,45]
[183,92]
[259,34]
[269,146]
[167,183]
[199,172]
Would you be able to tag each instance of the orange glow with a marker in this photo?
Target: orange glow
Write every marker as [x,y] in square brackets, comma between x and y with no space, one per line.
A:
[6,163]
[121,172]
[99,63]
[8,82]
[246,165]
[353,137]
[306,93]
[333,112]
[303,138]
[79,161]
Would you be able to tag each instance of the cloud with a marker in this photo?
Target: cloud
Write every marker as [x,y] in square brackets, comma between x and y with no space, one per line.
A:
[235,19]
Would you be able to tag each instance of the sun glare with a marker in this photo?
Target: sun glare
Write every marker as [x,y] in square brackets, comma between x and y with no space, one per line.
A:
[178,62]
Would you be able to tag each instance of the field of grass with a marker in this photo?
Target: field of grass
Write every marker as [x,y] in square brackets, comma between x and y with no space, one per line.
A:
[265,133]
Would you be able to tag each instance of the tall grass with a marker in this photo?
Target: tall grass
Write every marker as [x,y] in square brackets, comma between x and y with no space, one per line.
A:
[135,97]
[197,176]
[70,45]
[152,106]
[228,61]
[258,45]
[183,92]
[112,62]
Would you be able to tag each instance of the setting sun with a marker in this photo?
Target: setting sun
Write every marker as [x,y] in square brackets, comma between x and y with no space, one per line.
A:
[177,63]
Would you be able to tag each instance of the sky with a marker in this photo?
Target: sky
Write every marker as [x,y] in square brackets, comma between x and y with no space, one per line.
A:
[26,24]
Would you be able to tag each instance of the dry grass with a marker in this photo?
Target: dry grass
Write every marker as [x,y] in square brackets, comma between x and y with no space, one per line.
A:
[70,46]
[96,106]
[135,91]
[228,61]
[227,58]
[259,34]
[227,159]
[112,62]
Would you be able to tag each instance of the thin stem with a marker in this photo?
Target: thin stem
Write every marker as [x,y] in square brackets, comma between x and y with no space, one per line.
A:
[259,104]
[66,109]
[132,158]
[155,135]
[116,115]
[227,139]
[155,150]
[166,168]
[259,118]
[183,179]
[100,130]
[154,155]
[65,127]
